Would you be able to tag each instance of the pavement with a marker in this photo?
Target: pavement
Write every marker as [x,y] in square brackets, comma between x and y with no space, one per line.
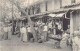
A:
[15,44]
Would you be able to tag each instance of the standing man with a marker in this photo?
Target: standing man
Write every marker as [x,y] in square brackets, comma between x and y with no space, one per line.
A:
[45,34]
[30,35]
[36,31]
[9,31]
[21,33]
[24,33]
[5,32]
[50,26]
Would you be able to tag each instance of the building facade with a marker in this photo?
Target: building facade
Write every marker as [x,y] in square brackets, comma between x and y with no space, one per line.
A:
[69,7]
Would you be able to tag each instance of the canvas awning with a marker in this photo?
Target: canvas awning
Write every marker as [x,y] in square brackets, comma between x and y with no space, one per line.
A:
[52,15]
[56,15]
[60,15]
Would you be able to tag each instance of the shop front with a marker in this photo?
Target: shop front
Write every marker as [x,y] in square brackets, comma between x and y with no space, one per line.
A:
[59,22]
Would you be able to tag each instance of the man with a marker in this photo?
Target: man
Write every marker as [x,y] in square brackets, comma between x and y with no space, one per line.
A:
[45,34]
[5,32]
[9,31]
[21,32]
[24,34]
[50,26]
[36,31]
[30,35]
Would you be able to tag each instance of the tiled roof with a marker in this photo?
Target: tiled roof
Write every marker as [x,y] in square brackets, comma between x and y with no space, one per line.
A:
[72,5]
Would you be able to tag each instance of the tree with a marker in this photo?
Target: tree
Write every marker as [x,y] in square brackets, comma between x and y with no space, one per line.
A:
[30,23]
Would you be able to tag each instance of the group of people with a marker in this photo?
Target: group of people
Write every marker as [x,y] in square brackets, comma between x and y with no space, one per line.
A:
[27,33]
[41,31]
[5,32]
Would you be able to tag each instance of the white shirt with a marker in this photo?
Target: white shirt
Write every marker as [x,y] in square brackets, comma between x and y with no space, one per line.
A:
[45,28]
[23,30]
[36,28]
[29,29]
[77,40]
[5,29]
[59,26]
[50,25]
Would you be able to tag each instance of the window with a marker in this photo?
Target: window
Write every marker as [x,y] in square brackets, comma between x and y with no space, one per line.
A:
[32,9]
[73,1]
[37,9]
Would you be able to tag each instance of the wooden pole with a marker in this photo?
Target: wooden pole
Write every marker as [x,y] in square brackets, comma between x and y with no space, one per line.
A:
[71,23]
[12,21]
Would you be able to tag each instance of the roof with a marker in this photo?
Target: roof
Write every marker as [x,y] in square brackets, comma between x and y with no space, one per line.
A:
[61,10]
[72,5]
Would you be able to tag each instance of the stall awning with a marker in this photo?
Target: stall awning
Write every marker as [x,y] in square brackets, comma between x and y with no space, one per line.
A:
[56,15]
[52,15]
[60,15]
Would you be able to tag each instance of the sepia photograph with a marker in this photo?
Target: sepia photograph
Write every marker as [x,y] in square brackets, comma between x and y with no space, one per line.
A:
[39,25]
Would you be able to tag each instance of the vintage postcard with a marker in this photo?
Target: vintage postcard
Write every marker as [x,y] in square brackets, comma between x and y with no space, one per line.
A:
[39,25]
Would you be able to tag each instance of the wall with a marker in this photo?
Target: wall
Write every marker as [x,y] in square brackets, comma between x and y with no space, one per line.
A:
[57,4]
[43,7]
[66,2]
[50,5]
[53,4]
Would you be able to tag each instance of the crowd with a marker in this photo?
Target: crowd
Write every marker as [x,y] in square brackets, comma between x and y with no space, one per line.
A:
[42,32]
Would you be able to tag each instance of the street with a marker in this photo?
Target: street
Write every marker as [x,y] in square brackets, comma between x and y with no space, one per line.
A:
[16,45]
